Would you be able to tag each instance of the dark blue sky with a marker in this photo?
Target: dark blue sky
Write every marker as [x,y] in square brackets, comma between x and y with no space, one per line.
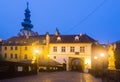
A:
[100,19]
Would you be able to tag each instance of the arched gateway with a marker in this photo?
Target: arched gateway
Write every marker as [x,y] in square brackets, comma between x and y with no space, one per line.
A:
[76,64]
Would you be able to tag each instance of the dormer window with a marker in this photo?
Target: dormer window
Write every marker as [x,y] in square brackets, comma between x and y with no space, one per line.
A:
[76,38]
[58,38]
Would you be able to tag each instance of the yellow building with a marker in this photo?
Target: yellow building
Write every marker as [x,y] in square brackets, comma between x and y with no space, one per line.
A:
[73,50]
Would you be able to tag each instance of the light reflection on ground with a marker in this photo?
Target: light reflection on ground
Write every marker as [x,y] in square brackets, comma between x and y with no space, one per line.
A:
[56,77]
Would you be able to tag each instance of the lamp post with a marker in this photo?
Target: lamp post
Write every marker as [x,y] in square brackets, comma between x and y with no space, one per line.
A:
[48,63]
[100,58]
[37,62]
[95,58]
[102,55]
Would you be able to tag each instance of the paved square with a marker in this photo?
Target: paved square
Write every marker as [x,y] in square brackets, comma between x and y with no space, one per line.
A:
[56,77]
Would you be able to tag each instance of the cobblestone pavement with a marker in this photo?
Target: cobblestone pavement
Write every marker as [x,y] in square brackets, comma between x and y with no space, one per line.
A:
[56,77]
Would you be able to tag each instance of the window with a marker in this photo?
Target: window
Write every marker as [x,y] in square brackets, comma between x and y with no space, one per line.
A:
[16,47]
[11,55]
[5,55]
[82,49]
[76,38]
[16,56]
[5,48]
[63,49]
[26,48]
[25,56]
[11,48]
[58,38]
[54,49]
[72,49]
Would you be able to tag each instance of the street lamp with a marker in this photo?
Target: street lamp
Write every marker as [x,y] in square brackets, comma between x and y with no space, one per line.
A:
[102,55]
[95,58]
[48,63]
[37,62]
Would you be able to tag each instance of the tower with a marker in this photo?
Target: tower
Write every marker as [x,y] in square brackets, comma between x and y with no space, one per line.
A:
[57,33]
[26,24]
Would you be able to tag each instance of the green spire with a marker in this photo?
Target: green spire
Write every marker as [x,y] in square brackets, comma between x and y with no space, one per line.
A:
[27,22]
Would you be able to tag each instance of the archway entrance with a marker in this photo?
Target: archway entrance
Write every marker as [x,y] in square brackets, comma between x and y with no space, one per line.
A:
[76,65]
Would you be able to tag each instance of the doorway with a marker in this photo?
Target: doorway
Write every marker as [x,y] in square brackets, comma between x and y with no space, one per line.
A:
[76,65]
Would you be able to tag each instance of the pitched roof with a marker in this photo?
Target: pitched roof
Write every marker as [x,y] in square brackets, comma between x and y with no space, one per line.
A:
[23,40]
[41,39]
[71,39]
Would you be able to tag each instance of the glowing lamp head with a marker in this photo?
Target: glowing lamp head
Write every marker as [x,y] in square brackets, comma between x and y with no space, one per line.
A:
[95,57]
[102,54]
[87,61]
[36,51]
[48,55]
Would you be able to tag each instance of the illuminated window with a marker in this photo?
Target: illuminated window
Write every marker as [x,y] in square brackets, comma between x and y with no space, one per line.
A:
[82,49]
[11,55]
[63,49]
[72,49]
[16,47]
[54,49]
[25,56]
[11,48]
[16,56]
[5,48]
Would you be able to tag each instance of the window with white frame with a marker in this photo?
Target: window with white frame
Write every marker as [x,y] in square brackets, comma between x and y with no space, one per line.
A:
[54,49]
[72,49]
[63,49]
[82,49]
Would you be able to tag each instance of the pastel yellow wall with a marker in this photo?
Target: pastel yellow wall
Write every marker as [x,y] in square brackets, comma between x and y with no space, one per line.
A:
[45,50]
[77,49]
[61,56]
[20,53]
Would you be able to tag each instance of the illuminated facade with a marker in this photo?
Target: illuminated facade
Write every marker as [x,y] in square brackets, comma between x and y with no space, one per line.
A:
[68,49]
[73,50]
